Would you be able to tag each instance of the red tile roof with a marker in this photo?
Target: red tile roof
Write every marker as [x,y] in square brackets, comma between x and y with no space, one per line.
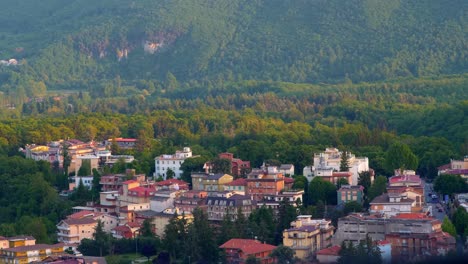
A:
[238,182]
[81,214]
[405,178]
[331,251]
[171,182]
[248,246]
[82,221]
[129,182]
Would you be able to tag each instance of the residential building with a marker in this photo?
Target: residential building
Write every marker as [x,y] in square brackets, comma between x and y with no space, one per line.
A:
[385,248]
[274,201]
[163,199]
[216,182]
[329,255]
[19,241]
[261,183]
[286,169]
[75,230]
[411,235]
[160,220]
[122,143]
[134,192]
[238,167]
[327,162]
[4,242]
[228,203]
[350,193]
[172,162]
[198,180]
[238,250]
[108,202]
[127,213]
[114,182]
[112,159]
[128,230]
[306,236]
[172,184]
[188,201]
[391,204]
[30,253]
[82,225]
[210,182]
[87,181]
[238,185]
[457,167]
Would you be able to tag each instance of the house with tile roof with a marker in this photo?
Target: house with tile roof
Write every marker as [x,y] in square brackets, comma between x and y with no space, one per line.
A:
[238,250]
[188,201]
[329,255]
[306,236]
[210,182]
[391,204]
[264,182]
[28,254]
[166,162]
[237,185]
[228,203]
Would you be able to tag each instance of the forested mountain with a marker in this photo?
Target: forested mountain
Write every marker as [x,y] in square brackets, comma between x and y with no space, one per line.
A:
[79,43]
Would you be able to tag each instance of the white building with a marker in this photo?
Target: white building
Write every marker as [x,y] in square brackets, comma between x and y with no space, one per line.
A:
[173,162]
[329,161]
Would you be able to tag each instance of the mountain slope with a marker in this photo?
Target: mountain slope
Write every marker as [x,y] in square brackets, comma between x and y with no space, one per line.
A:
[74,44]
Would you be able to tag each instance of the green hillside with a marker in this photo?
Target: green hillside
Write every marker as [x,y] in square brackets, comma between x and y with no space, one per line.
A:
[76,44]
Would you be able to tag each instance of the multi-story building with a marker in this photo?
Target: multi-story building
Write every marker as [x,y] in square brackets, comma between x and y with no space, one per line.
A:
[210,182]
[163,199]
[350,193]
[391,204]
[286,169]
[238,166]
[261,183]
[329,160]
[228,203]
[238,250]
[306,236]
[172,162]
[457,167]
[16,241]
[188,201]
[82,225]
[412,235]
[128,213]
[274,201]
[74,230]
[238,185]
[135,193]
[122,143]
[30,253]
[114,182]
[159,220]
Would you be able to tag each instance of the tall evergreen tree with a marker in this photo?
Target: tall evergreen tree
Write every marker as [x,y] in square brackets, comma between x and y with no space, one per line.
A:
[344,162]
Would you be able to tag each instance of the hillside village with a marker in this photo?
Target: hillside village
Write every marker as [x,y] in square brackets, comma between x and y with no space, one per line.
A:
[403,220]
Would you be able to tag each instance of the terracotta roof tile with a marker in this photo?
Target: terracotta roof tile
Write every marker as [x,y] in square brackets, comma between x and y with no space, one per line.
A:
[248,246]
[331,251]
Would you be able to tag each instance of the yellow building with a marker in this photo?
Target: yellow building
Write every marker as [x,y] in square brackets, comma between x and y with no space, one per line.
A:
[216,182]
[28,254]
[306,236]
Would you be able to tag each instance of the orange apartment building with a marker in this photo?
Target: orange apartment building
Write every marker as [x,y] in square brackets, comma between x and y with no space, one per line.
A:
[29,253]
[261,183]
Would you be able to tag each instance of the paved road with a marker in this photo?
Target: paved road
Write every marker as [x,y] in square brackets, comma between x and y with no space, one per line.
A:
[428,189]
